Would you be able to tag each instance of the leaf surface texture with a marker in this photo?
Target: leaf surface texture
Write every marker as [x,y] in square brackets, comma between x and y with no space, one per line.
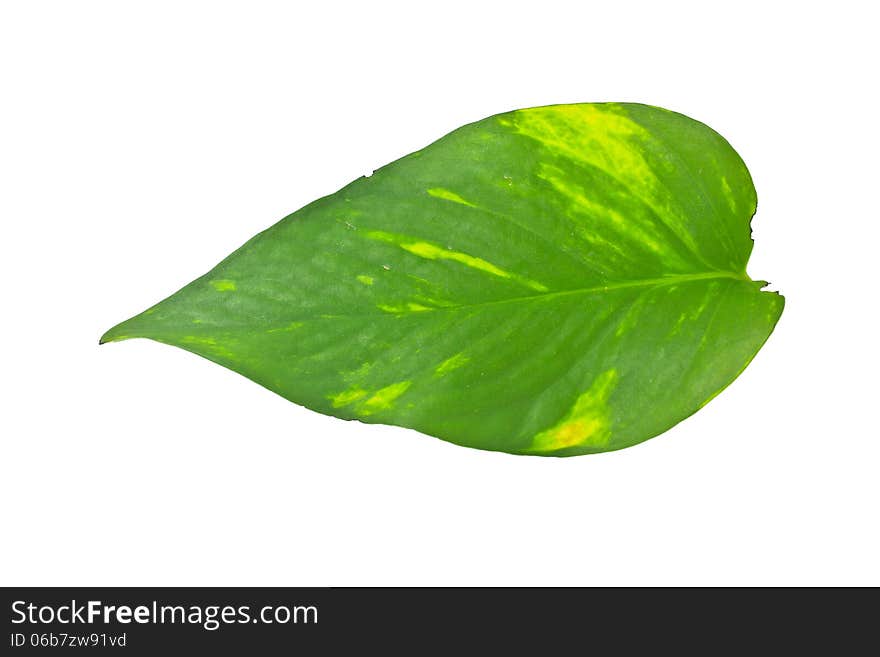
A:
[558,280]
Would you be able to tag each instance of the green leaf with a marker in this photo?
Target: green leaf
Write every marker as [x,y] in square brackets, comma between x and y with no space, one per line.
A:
[558,280]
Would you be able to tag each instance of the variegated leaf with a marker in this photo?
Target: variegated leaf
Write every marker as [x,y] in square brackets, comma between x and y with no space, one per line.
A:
[558,280]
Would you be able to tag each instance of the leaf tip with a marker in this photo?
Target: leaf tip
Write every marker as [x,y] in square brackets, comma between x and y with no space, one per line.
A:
[115,334]
[107,337]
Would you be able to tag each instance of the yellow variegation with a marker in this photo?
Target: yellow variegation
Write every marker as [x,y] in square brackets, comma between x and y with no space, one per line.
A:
[556,281]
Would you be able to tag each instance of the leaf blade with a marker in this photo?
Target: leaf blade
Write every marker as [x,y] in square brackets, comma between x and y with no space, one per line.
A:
[483,289]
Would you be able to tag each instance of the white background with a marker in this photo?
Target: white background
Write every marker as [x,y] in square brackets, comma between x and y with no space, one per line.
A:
[142,142]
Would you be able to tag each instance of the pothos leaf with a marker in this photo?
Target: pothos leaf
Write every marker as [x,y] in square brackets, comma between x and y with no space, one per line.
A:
[557,280]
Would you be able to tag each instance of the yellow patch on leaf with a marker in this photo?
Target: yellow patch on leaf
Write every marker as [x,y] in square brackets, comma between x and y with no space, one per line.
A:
[383,399]
[347,397]
[450,364]
[445,194]
[223,285]
[434,252]
[588,423]
[368,402]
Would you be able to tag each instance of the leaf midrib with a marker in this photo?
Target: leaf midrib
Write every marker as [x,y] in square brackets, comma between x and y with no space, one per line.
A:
[112,334]
[646,282]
